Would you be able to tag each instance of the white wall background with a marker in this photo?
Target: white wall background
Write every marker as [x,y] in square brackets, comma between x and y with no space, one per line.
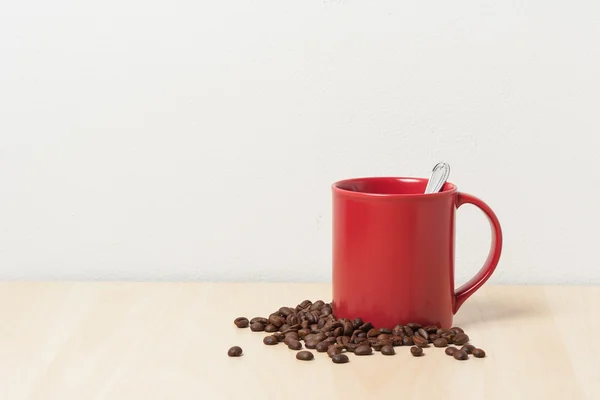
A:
[174,140]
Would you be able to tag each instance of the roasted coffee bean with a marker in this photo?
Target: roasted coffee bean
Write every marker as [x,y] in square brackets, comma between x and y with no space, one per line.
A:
[383,336]
[336,324]
[413,326]
[289,339]
[408,331]
[270,340]
[440,342]
[241,322]
[305,304]
[423,333]
[398,331]
[314,329]
[303,333]
[377,346]
[304,355]
[460,355]
[450,350]
[326,311]
[317,305]
[441,331]
[330,340]
[351,347]
[285,311]
[292,320]
[262,320]
[360,339]
[340,358]
[388,350]
[348,329]
[396,340]
[257,327]
[311,344]
[271,328]
[416,351]
[407,341]
[361,335]
[321,324]
[420,341]
[333,350]
[305,325]
[468,348]
[432,337]
[460,339]
[449,336]
[431,329]
[478,353]
[235,351]
[280,336]
[284,327]
[322,347]
[294,345]
[456,330]
[345,340]
[338,332]
[276,320]
[320,336]
[356,323]
[366,327]
[387,331]
[373,332]
[363,350]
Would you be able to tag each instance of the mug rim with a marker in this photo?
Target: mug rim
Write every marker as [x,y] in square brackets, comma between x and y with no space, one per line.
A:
[451,188]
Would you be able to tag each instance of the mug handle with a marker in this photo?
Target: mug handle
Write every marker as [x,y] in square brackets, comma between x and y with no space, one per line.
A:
[466,290]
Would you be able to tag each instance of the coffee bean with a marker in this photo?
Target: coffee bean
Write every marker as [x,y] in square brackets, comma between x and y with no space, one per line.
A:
[356,323]
[317,305]
[431,329]
[326,311]
[398,330]
[360,339]
[363,350]
[294,345]
[387,331]
[408,331]
[479,353]
[361,335]
[338,332]
[289,339]
[305,304]
[322,347]
[348,328]
[271,328]
[373,332]
[441,331]
[270,340]
[276,320]
[423,333]
[460,339]
[235,351]
[320,337]
[460,355]
[311,344]
[340,358]
[396,340]
[257,327]
[456,330]
[440,342]
[383,336]
[366,327]
[345,340]
[303,333]
[413,326]
[468,348]
[304,355]
[377,346]
[351,347]
[420,341]
[416,351]
[333,350]
[241,322]
[388,350]
[262,320]
[321,324]
[280,336]
[407,341]
[284,327]
[450,350]
[285,311]
[292,320]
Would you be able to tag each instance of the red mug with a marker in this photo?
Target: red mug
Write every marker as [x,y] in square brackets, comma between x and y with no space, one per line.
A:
[393,251]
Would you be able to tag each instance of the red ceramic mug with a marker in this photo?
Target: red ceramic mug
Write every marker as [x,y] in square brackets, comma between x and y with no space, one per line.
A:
[393,251]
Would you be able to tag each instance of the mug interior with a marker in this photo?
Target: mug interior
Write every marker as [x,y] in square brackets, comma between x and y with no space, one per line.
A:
[389,186]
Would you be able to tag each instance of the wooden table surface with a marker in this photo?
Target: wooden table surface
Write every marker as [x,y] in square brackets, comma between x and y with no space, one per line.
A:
[170,341]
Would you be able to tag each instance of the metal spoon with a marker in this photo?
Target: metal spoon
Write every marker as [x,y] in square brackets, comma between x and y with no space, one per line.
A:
[438,177]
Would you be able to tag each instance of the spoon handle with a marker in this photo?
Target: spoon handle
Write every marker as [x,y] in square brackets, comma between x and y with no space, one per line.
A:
[438,177]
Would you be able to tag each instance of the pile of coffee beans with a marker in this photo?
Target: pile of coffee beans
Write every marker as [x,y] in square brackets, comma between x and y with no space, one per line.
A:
[316,326]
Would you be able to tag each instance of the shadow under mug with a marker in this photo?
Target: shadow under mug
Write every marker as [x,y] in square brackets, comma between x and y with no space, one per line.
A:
[393,251]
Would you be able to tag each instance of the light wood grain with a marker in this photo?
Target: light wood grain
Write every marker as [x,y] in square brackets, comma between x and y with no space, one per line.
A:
[169,341]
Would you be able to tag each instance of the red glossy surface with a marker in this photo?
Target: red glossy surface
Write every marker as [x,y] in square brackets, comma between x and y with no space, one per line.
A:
[393,251]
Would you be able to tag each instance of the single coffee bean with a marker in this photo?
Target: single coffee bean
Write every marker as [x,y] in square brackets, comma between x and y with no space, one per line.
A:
[373,332]
[339,340]
[284,327]
[408,331]
[413,326]
[292,320]
[322,347]
[456,330]
[460,339]
[377,346]
[317,305]
[468,348]
[235,351]
[441,331]
[294,345]
[321,324]
[440,342]
[388,350]
[271,328]
[416,351]
[450,350]
[311,344]
[363,350]
[257,327]
[285,311]
[407,341]
[345,340]
[366,327]
[423,333]
[241,322]
[433,337]
[289,339]
[330,340]
[325,311]
[305,304]
[360,339]
[478,353]
[320,337]
[398,331]
[383,336]
[304,355]
[280,336]
[348,328]
[420,341]
[270,340]
[387,331]
[396,340]
[262,320]
[338,332]
[333,350]
[431,329]
[303,333]
[357,322]
[361,334]
[460,355]
[340,358]
[351,347]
